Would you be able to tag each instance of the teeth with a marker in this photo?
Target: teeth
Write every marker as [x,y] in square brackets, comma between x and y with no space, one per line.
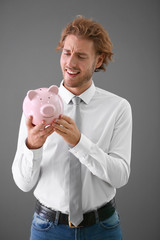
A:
[70,72]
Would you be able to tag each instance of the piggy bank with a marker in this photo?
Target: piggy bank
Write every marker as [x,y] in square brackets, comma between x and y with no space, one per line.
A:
[43,104]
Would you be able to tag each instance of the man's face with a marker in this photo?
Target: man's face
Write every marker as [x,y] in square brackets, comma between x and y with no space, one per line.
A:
[78,62]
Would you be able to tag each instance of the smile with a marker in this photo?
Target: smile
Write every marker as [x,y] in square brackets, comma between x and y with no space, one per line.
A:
[72,72]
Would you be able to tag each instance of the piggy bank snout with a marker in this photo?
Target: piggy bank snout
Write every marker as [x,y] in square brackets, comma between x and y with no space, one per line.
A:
[47,110]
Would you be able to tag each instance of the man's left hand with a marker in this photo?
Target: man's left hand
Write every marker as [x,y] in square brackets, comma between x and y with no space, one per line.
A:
[66,127]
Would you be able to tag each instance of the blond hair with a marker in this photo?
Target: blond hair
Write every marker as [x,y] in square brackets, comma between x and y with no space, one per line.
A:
[89,29]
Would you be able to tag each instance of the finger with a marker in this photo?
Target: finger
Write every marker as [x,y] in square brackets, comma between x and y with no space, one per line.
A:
[39,127]
[67,119]
[61,128]
[63,134]
[63,123]
[47,131]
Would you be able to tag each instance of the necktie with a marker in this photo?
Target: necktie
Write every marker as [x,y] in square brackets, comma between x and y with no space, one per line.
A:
[75,192]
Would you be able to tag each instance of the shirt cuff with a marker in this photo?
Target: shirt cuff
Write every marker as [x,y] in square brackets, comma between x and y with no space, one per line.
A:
[33,154]
[82,149]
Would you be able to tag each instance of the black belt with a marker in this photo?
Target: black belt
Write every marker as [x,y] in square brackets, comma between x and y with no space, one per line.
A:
[89,218]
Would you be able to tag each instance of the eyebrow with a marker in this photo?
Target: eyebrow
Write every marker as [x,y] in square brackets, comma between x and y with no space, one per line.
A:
[78,53]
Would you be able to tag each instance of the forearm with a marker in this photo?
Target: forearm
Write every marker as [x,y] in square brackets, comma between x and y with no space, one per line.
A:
[108,167]
[109,158]
[26,167]
[26,164]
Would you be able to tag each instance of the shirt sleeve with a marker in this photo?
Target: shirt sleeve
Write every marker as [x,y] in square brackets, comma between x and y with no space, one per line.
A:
[26,164]
[112,165]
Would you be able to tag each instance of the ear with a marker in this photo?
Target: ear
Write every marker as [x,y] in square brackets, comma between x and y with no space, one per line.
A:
[31,94]
[99,60]
[53,89]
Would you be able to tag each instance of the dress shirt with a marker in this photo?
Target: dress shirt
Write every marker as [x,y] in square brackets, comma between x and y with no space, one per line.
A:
[104,151]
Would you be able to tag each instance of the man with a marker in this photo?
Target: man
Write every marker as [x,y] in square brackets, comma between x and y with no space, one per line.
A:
[99,146]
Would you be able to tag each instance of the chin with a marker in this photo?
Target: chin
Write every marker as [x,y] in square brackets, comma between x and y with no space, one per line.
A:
[70,81]
[70,84]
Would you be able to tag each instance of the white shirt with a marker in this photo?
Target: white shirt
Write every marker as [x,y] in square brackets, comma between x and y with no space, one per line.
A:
[104,151]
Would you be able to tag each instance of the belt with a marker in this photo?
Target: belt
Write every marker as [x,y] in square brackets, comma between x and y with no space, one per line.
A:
[89,218]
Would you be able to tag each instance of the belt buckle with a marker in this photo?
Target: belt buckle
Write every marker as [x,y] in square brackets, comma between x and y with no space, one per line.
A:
[70,224]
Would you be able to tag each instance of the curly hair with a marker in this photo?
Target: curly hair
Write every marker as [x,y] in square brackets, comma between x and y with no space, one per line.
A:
[89,29]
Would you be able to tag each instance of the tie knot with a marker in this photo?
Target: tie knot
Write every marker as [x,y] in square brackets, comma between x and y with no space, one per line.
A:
[76,100]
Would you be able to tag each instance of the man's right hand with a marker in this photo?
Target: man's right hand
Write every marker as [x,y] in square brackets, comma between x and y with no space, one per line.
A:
[38,134]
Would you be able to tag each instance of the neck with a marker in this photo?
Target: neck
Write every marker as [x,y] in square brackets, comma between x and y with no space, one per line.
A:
[78,90]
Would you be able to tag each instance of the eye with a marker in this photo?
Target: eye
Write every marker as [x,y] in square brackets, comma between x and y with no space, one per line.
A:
[81,57]
[66,54]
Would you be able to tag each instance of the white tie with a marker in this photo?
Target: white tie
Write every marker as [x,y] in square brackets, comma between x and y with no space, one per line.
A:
[75,204]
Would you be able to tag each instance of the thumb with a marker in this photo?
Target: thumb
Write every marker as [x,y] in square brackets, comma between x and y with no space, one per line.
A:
[29,122]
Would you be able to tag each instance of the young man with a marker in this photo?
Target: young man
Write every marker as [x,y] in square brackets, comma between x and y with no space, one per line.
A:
[99,146]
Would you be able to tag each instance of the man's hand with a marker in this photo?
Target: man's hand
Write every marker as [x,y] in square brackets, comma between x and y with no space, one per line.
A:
[66,127]
[38,134]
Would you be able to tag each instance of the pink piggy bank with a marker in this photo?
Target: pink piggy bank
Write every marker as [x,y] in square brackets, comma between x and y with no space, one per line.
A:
[43,104]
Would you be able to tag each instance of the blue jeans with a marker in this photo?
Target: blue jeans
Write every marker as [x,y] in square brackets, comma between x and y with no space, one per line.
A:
[108,229]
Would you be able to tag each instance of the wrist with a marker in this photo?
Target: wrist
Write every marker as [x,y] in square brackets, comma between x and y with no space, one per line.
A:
[31,146]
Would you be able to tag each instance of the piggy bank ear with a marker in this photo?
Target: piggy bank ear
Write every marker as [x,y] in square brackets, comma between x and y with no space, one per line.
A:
[53,89]
[31,94]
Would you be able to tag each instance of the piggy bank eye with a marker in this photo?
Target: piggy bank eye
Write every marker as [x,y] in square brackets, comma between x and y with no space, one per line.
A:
[41,99]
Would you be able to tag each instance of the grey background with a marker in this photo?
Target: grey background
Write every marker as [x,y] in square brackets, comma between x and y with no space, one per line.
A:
[29,33]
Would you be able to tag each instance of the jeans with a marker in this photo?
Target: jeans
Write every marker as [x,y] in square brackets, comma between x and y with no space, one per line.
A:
[108,229]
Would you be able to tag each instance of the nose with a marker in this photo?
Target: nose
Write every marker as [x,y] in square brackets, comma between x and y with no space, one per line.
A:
[72,61]
[47,110]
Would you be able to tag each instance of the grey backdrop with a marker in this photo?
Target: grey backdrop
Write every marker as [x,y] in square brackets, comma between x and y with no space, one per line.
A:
[29,33]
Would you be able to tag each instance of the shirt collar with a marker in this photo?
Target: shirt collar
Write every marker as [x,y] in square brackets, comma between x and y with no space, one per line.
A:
[86,96]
